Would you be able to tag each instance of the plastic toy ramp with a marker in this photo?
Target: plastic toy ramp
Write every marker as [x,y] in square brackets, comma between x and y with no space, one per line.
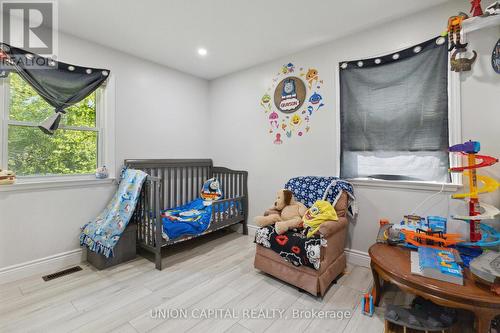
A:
[485,161]
[490,237]
[489,185]
[489,213]
[422,239]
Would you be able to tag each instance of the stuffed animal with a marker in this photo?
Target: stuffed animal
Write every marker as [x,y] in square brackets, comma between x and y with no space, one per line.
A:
[320,212]
[211,191]
[285,214]
[7,177]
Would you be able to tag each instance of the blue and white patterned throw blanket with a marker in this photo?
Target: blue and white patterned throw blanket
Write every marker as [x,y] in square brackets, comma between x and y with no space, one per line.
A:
[101,234]
[311,188]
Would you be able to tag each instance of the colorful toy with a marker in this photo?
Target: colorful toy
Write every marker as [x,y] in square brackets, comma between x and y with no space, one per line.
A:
[462,64]
[454,28]
[428,238]
[7,177]
[367,305]
[476,9]
[436,224]
[286,213]
[413,222]
[470,149]
[320,212]
[101,173]
[211,191]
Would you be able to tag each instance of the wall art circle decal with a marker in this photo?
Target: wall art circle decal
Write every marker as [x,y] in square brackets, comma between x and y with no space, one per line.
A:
[293,98]
[289,94]
[495,57]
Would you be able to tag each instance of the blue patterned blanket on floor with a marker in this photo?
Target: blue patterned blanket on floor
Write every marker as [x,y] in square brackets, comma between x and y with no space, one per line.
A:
[311,188]
[101,234]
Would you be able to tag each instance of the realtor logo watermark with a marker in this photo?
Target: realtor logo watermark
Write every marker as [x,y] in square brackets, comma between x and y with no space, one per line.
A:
[30,25]
[248,313]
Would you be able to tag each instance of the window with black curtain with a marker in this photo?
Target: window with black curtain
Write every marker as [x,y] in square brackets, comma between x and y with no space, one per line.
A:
[394,115]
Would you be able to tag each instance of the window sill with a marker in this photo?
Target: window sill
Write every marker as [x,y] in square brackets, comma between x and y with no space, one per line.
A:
[27,184]
[407,185]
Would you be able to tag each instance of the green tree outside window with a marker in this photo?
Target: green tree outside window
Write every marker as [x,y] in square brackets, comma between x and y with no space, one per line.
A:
[71,150]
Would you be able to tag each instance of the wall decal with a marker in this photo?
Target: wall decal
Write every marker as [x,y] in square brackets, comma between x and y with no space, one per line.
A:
[296,97]
[290,94]
[495,57]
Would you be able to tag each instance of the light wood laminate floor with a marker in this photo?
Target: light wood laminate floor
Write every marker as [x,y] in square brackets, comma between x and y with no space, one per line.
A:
[214,273]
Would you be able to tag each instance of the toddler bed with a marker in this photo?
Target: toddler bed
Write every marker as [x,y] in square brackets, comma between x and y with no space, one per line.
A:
[173,186]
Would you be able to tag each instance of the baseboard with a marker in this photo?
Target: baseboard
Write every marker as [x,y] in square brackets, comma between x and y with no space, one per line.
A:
[354,257]
[252,229]
[40,266]
[358,258]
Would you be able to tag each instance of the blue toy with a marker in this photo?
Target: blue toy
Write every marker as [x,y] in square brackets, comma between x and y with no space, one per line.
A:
[367,305]
[436,223]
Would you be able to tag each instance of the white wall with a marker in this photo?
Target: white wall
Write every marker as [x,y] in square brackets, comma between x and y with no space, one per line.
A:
[242,140]
[160,113]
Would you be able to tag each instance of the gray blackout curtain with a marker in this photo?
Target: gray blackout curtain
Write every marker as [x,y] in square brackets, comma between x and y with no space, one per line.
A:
[394,115]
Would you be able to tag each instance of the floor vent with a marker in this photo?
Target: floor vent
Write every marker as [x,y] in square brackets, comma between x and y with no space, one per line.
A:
[61,273]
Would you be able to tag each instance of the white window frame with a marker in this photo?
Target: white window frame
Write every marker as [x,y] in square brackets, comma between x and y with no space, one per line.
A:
[105,110]
[454,132]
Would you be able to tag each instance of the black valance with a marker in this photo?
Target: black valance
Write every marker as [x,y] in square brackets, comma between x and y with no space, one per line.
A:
[396,56]
[58,83]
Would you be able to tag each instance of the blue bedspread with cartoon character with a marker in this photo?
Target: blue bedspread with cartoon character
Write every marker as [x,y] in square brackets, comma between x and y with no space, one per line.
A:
[194,218]
[101,234]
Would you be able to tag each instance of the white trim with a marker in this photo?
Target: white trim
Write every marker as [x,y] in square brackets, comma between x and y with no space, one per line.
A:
[337,118]
[105,128]
[107,120]
[454,120]
[252,229]
[400,184]
[358,258]
[40,266]
[27,183]
[476,23]
[4,137]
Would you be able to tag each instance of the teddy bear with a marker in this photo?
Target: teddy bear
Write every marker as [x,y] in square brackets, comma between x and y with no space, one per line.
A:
[285,214]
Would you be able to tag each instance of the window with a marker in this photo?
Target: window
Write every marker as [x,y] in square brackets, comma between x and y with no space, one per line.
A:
[394,115]
[72,150]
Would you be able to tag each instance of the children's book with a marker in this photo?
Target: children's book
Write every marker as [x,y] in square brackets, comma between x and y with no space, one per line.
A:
[439,264]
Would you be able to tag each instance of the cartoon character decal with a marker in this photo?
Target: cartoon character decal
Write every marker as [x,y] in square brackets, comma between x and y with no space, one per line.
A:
[296,120]
[278,141]
[288,89]
[273,119]
[312,77]
[296,99]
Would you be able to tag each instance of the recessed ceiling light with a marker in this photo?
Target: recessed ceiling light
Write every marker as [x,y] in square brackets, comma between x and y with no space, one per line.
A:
[202,51]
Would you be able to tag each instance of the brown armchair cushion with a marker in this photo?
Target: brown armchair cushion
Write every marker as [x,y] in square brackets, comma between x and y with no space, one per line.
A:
[341,205]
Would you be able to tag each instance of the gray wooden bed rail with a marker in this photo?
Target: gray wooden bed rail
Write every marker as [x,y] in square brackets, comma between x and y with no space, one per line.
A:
[174,182]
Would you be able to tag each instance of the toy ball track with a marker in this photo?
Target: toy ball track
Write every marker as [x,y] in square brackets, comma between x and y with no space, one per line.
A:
[480,233]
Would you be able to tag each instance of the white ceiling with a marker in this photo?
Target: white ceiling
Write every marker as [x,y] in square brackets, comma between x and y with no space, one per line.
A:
[237,33]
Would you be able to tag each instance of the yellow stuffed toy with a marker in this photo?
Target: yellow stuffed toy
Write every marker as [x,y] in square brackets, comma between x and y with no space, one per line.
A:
[320,212]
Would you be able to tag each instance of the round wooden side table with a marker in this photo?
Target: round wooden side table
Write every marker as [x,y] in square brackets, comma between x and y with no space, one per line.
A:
[392,264]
